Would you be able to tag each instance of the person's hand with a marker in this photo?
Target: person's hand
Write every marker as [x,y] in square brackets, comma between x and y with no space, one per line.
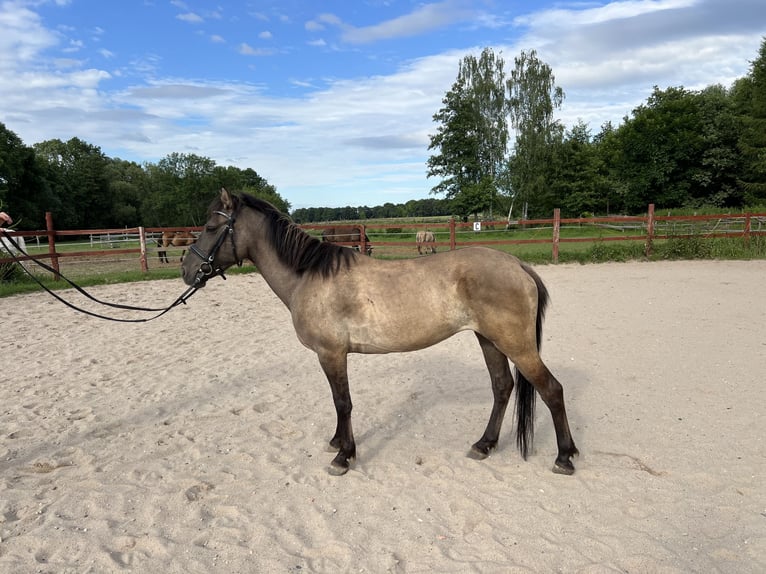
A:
[5,218]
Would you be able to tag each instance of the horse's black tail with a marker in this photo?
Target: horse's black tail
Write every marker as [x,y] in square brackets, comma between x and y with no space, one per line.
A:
[525,392]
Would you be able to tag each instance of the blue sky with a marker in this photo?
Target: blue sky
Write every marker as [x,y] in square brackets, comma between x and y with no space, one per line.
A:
[332,102]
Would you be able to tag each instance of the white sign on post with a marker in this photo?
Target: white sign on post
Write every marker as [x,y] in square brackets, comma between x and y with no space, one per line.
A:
[477,225]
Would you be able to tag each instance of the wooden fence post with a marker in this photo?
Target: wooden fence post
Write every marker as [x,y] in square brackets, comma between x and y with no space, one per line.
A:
[363,239]
[142,243]
[452,241]
[649,230]
[52,244]
[747,230]
[556,233]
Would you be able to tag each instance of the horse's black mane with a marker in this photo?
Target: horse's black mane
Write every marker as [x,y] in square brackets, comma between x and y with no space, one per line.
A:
[295,248]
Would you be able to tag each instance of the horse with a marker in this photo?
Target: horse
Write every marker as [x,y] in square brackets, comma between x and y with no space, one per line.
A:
[347,234]
[342,302]
[425,239]
[175,239]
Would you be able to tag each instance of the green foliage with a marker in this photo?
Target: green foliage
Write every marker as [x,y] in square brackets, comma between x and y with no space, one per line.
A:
[85,189]
[9,271]
[602,251]
[533,98]
[472,137]
[692,247]
[750,98]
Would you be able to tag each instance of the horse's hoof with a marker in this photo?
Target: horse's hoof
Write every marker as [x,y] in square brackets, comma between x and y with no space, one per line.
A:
[479,453]
[482,449]
[340,464]
[337,470]
[566,468]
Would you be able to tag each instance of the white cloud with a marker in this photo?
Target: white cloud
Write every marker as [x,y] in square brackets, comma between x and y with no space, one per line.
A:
[190,17]
[247,50]
[424,19]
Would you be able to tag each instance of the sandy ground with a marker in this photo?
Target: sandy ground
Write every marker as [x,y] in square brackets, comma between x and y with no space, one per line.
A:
[196,443]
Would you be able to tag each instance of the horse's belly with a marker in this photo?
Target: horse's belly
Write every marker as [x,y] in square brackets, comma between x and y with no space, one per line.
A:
[401,330]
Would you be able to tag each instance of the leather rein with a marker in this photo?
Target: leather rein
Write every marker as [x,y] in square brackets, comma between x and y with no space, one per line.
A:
[159,311]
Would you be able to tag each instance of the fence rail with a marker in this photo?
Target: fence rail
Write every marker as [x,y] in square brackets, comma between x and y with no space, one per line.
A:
[137,243]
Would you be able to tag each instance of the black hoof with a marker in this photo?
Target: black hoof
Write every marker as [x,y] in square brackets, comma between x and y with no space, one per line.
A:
[340,465]
[482,449]
[337,470]
[563,467]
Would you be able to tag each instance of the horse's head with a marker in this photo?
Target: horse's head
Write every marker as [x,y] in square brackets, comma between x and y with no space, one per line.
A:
[214,251]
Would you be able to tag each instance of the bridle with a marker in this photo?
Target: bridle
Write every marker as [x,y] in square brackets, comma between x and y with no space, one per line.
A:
[206,269]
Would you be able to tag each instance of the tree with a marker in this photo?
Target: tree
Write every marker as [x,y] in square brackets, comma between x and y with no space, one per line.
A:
[128,183]
[576,184]
[181,188]
[472,138]
[679,150]
[750,98]
[24,192]
[76,171]
[533,98]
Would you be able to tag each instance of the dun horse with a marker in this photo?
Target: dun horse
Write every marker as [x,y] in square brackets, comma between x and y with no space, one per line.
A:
[174,239]
[425,240]
[348,234]
[342,302]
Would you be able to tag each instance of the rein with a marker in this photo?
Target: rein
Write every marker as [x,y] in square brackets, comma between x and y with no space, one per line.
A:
[160,311]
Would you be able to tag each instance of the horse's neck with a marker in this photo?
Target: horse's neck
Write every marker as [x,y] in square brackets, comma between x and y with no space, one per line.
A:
[282,279]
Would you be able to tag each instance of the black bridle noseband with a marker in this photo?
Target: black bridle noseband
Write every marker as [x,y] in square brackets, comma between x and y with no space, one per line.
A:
[206,269]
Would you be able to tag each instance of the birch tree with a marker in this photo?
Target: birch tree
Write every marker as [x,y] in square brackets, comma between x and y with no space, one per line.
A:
[533,97]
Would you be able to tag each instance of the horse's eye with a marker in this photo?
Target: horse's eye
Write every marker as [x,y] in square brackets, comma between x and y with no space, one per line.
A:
[211,228]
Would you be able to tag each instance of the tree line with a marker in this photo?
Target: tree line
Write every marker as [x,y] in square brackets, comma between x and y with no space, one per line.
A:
[681,148]
[85,189]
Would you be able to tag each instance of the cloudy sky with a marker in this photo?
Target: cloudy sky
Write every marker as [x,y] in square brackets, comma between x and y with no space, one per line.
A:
[332,101]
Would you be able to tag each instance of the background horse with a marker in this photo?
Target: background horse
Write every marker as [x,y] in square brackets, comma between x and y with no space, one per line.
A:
[425,240]
[342,302]
[347,234]
[174,239]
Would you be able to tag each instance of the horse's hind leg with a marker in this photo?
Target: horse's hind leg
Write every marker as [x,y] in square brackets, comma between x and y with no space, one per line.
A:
[533,370]
[336,370]
[502,386]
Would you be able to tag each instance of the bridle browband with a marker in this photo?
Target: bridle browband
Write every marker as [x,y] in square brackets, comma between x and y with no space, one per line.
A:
[206,269]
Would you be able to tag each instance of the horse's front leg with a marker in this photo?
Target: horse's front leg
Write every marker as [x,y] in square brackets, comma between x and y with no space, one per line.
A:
[336,370]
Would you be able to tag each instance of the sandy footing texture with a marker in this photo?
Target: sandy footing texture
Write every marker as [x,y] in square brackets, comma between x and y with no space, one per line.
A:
[196,443]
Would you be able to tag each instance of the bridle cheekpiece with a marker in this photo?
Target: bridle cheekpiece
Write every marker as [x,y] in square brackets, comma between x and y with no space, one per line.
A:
[206,269]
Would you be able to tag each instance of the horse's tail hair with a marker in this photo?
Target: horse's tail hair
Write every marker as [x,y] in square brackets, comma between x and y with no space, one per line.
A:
[525,392]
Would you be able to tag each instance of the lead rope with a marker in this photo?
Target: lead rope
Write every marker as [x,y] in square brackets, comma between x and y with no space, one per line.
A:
[160,311]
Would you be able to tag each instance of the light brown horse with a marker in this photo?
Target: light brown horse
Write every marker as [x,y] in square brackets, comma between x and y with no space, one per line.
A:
[174,239]
[342,302]
[425,240]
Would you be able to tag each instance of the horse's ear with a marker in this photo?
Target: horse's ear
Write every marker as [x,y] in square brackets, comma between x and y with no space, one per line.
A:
[228,202]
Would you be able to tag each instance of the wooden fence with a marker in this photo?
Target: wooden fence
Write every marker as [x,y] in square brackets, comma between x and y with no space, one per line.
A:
[452,234]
